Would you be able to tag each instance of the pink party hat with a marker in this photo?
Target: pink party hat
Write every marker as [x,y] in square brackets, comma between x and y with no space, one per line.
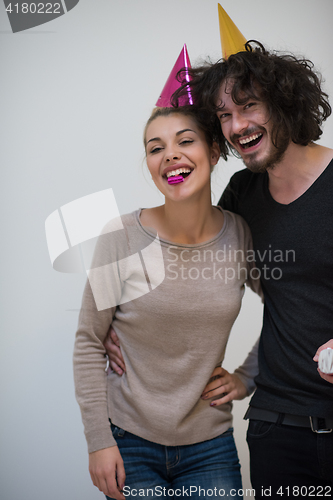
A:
[172,84]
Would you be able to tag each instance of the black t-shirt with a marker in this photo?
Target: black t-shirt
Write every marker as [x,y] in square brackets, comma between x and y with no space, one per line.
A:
[293,247]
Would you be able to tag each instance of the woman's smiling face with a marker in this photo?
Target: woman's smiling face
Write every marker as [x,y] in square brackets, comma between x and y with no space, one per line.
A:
[176,146]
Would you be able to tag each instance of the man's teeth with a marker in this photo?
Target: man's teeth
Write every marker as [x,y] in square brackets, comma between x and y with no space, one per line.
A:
[249,139]
[178,172]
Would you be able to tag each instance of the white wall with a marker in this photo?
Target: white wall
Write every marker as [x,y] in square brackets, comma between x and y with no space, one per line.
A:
[75,94]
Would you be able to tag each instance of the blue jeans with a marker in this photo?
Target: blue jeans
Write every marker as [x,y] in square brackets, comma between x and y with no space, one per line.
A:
[289,462]
[209,469]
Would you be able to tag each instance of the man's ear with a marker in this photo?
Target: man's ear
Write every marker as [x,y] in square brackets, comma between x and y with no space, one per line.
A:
[215,154]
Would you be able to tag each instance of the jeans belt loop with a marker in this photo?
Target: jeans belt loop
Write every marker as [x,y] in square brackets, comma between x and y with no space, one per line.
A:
[315,426]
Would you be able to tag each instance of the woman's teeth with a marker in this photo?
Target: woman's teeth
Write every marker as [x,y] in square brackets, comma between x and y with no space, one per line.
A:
[178,172]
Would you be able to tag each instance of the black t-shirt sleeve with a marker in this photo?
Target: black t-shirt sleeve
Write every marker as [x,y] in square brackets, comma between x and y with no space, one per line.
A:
[230,199]
[241,187]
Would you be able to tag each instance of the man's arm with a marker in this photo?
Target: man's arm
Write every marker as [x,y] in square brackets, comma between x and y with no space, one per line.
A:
[112,348]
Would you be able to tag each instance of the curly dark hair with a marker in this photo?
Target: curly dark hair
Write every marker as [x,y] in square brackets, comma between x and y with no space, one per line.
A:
[289,86]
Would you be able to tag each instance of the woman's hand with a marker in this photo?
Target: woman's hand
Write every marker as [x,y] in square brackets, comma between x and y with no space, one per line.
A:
[112,347]
[107,471]
[226,384]
[325,376]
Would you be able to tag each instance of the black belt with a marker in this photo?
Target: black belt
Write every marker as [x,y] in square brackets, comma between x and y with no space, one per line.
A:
[316,424]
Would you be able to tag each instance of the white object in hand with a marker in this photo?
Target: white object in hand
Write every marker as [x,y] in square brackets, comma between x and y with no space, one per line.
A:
[325,362]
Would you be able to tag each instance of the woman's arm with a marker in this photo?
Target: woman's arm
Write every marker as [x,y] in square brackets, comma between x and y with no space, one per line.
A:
[225,384]
[102,294]
[233,386]
[89,372]
[105,463]
[107,472]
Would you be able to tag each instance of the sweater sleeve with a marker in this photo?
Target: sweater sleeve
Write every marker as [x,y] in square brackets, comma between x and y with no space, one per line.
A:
[249,369]
[89,372]
[101,295]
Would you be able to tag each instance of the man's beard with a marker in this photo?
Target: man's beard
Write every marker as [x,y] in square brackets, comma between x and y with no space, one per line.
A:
[274,156]
[272,159]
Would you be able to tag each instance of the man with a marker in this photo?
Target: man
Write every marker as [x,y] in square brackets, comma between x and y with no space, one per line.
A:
[270,108]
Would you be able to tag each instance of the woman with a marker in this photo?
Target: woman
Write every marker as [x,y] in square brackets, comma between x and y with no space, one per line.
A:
[163,433]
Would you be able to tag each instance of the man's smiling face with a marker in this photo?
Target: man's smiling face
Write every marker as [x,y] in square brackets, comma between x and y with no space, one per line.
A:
[247,127]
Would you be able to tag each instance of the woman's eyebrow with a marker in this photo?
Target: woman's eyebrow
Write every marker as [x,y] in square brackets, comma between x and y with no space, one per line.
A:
[185,130]
[177,133]
[154,139]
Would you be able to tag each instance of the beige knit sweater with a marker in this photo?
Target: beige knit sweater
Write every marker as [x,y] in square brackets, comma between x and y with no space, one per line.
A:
[173,322]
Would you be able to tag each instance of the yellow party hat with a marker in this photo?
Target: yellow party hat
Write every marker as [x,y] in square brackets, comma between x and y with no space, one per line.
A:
[232,40]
